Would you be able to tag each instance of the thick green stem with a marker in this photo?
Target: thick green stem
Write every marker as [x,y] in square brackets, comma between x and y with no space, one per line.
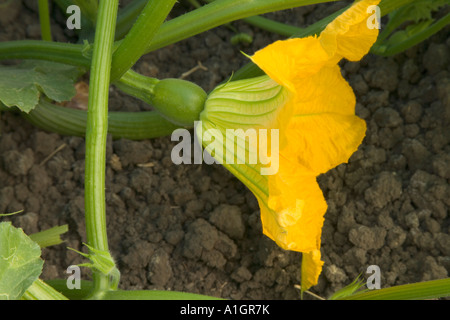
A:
[139,37]
[96,132]
[266,24]
[127,16]
[272,26]
[39,290]
[180,28]
[67,53]
[49,237]
[44,19]
[177,29]
[128,125]
[137,85]
[215,14]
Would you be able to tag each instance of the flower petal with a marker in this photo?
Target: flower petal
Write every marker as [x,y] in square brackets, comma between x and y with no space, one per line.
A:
[292,215]
[324,92]
[349,35]
[311,269]
[324,141]
[318,129]
[291,59]
[250,103]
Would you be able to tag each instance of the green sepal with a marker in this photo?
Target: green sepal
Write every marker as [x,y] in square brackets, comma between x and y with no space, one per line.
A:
[101,261]
[232,112]
[248,103]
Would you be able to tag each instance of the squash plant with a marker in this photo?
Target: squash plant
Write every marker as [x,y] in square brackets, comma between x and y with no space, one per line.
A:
[113,41]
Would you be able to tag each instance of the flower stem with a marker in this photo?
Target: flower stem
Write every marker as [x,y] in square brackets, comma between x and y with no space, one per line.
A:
[44,19]
[177,29]
[272,26]
[137,85]
[67,53]
[128,125]
[217,13]
[127,16]
[269,25]
[39,290]
[96,132]
[140,35]
[49,237]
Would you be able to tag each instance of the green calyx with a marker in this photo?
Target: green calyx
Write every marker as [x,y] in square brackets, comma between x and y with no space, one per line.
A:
[248,103]
[102,262]
[238,121]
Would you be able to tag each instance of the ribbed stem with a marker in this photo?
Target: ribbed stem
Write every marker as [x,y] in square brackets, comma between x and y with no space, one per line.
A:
[71,122]
[127,16]
[139,37]
[96,133]
[215,14]
[39,290]
[67,53]
[137,85]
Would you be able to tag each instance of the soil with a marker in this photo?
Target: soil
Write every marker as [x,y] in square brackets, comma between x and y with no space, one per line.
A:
[196,228]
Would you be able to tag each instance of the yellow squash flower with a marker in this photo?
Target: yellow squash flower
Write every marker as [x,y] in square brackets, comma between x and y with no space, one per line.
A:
[305,98]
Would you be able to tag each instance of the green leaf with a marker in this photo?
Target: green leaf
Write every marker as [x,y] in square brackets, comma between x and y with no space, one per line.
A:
[20,262]
[415,12]
[349,290]
[102,262]
[432,289]
[22,85]
[154,295]
[409,25]
[421,9]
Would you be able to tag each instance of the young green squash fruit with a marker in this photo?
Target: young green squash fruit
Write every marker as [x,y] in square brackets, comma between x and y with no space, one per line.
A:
[179,101]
